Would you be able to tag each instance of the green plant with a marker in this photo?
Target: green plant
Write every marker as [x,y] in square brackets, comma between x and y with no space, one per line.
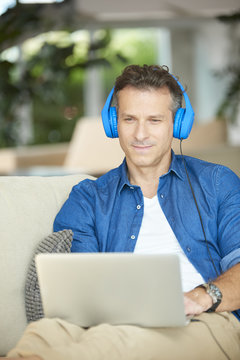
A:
[51,79]
[48,75]
[230,106]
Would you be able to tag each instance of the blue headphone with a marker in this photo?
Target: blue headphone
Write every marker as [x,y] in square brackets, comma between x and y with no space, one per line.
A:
[183,119]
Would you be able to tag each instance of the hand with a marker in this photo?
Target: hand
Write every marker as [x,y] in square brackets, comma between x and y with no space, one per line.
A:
[192,307]
[197,301]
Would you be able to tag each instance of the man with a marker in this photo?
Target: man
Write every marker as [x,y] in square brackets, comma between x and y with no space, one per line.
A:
[147,205]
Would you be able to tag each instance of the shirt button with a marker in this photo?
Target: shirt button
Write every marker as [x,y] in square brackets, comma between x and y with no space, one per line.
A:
[133,237]
[131,187]
[162,196]
[138,207]
[188,249]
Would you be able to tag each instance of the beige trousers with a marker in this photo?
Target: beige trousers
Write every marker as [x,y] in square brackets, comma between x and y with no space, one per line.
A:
[215,337]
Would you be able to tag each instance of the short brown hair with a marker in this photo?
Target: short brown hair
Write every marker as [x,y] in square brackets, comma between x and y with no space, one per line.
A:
[150,76]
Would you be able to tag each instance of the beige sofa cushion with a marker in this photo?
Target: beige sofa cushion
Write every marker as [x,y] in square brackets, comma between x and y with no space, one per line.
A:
[28,206]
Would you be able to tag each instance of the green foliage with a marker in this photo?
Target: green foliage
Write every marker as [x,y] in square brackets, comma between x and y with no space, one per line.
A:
[48,74]
[130,46]
[44,81]
[52,79]
[229,107]
[26,20]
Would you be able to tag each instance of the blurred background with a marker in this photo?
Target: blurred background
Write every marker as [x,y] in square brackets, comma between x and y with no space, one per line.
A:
[59,60]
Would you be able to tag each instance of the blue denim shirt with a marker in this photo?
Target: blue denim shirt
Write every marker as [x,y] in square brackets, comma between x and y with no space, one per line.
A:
[105,215]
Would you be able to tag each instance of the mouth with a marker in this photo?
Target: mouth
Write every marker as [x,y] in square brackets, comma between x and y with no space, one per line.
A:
[141,147]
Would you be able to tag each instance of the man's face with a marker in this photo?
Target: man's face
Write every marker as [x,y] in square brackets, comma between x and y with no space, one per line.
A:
[145,127]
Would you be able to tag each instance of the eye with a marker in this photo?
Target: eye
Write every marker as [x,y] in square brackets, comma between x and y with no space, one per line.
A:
[155,121]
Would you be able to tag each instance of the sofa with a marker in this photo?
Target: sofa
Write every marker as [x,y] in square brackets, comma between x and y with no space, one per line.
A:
[28,206]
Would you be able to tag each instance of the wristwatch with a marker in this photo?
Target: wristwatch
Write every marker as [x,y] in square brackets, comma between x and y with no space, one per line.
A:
[215,294]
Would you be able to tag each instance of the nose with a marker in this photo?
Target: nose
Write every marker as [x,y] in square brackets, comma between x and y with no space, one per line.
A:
[141,132]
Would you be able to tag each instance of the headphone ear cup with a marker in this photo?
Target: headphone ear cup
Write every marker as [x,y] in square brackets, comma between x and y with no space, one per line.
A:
[113,121]
[109,117]
[178,120]
[109,120]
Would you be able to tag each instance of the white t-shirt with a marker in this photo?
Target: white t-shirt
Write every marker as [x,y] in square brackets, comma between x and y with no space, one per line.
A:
[156,237]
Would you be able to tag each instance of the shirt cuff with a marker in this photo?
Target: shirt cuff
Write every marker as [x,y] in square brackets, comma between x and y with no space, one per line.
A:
[230,260]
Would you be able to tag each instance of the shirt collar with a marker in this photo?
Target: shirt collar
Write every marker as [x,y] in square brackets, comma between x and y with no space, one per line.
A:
[123,175]
[174,167]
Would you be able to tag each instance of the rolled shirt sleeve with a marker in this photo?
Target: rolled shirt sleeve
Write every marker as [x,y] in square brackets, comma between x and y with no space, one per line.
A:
[228,189]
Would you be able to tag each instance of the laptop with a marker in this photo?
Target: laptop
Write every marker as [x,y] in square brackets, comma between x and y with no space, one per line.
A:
[88,289]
